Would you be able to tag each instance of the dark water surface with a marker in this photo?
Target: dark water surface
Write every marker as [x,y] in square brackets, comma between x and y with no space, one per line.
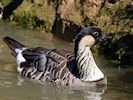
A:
[12,87]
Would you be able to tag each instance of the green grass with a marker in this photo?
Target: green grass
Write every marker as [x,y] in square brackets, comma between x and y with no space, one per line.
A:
[28,20]
[105,12]
[5,2]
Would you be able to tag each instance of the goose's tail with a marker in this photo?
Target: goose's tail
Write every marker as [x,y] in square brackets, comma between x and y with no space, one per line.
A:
[15,46]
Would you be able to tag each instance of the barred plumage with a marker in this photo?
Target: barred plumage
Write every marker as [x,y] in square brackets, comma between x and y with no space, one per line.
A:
[55,69]
[58,65]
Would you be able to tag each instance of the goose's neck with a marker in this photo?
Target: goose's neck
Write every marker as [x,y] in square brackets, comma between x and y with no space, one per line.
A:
[86,64]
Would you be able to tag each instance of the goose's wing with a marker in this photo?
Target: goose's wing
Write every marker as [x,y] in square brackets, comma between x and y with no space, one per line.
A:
[54,66]
[36,57]
[57,68]
[66,54]
[71,62]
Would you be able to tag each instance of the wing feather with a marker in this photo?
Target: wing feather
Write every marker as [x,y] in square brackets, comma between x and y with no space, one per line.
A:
[36,58]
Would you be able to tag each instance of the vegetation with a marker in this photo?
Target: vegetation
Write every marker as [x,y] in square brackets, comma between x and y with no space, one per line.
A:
[67,18]
[28,20]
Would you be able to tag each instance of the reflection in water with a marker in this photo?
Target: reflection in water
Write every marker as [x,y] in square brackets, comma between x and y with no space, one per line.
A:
[20,80]
[67,93]
[93,95]
[56,92]
[13,87]
[1,46]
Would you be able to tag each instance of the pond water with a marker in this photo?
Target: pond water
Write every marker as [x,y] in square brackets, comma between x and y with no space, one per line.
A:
[12,87]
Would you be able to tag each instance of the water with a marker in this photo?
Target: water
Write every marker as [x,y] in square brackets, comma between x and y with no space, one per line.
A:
[12,87]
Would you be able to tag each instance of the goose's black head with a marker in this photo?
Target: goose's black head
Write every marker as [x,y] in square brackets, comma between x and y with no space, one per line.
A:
[90,35]
[96,33]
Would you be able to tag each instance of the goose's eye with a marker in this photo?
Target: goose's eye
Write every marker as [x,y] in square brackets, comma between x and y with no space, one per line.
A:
[96,33]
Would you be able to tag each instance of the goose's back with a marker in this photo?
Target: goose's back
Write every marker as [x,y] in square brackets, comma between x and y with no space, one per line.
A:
[59,66]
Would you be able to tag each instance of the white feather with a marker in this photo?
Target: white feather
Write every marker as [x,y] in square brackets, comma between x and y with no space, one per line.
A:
[1,15]
[89,70]
[19,59]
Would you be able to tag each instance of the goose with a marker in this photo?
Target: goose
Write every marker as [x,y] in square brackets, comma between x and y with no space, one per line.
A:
[61,66]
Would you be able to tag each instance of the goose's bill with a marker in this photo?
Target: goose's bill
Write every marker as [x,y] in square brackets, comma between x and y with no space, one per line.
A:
[105,37]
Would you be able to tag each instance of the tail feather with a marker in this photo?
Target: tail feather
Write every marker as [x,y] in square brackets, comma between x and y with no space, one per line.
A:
[13,44]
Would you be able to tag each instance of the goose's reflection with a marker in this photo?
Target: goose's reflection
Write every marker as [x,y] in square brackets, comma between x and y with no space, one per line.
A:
[52,91]
[93,95]
[69,93]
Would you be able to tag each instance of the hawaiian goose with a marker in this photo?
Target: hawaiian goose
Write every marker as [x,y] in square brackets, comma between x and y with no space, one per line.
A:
[60,66]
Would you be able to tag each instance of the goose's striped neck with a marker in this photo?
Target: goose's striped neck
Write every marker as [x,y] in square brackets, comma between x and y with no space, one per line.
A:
[89,71]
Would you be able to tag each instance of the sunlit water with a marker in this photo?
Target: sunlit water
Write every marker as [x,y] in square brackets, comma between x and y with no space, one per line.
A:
[12,87]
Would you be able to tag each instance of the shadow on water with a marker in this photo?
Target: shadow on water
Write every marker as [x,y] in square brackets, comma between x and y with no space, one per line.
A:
[8,10]
[127,77]
[121,49]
